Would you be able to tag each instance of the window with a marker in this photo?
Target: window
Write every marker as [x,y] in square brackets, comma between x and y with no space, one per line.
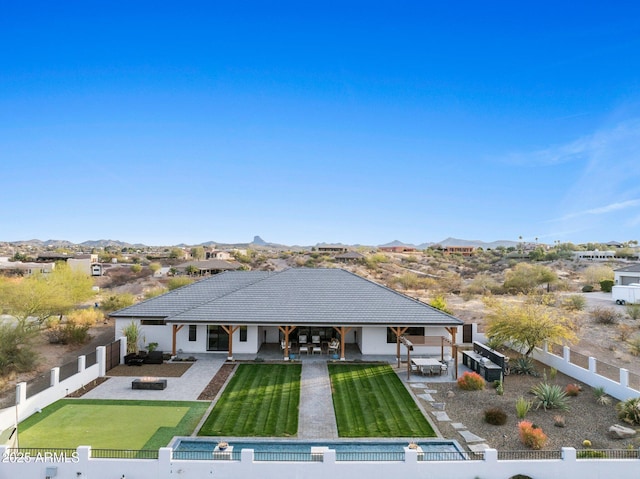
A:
[414,331]
[193,332]
[152,322]
[243,334]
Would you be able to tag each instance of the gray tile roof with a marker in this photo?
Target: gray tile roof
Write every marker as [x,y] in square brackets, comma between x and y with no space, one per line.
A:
[634,268]
[293,296]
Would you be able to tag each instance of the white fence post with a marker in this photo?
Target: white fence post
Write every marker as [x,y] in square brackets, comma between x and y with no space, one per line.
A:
[624,377]
[592,365]
[123,348]
[21,393]
[82,363]
[101,359]
[55,376]
[566,353]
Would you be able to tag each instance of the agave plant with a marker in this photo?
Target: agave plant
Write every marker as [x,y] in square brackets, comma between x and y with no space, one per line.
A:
[629,410]
[550,396]
[524,365]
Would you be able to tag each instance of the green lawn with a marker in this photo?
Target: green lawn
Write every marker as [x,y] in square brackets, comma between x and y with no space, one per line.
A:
[260,400]
[105,424]
[371,401]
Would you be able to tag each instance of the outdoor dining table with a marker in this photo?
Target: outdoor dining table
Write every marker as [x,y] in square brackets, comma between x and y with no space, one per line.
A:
[428,365]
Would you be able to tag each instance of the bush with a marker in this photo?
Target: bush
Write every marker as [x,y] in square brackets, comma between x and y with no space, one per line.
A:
[495,416]
[591,454]
[471,382]
[117,301]
[531,435]
[88,316]
[587,288]
[634,346]
[572,390]
[523,406]
[179,282]
[550,396]
[16,353]
[606,285]
[629,411]
[575,302]
[605,315]
[633,311]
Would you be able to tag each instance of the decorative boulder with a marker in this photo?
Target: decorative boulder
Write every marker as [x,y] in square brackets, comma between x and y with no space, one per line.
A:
[621,432]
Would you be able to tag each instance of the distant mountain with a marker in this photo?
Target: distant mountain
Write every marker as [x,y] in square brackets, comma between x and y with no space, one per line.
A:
[259,241]
[397,243]
[102,243]
[476,243]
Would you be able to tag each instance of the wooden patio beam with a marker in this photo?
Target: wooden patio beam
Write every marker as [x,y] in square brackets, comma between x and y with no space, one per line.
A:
[230,330]
[175,328]
[286,330]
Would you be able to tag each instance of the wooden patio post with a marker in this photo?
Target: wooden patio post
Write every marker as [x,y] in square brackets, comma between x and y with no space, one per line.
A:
[176,328]
[398,332]
[230,330]
[286,330]
[453,331]
[343,332]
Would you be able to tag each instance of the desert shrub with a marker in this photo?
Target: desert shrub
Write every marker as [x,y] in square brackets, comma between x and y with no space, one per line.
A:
[483,284]
[88,316]
[591,454]
[494,342]
[634,346]
[572,389]
[629,410]
[624,332]
[601,397]
[606,285]
[440,303]
[75,333]
[524,365]
[523,406]
[16,353]
[178,282]
[531,435]
[559,421]
[471,381]
[155,267]
[152,293]
[136,268]
[587,288]
[575,302]
[603,315]
[550,396]
[117,301]
[495,416]
[633,311]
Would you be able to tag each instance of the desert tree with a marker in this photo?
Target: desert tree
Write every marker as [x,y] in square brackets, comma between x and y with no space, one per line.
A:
[525,278]
[527,324]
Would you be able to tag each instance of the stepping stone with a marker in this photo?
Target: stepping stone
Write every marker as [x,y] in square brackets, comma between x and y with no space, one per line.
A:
[426,397]
[478,447]
[438,405]
[418,385]
[443,417]
[458,425]
[470,437]
[430,391]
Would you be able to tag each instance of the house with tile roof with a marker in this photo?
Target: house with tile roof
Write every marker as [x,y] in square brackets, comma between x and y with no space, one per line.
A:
[627,275]
[242,311]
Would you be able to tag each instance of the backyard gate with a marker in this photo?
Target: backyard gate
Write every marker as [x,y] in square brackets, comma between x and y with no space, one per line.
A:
[113,355]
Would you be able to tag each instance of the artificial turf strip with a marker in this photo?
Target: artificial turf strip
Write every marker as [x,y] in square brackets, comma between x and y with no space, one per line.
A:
[110,424]
[371,401]
[260,400]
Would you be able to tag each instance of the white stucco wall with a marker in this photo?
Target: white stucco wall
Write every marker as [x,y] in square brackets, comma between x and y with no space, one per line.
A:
[374,341]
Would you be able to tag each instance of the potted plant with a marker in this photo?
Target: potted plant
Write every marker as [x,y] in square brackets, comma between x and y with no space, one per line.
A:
[223,445]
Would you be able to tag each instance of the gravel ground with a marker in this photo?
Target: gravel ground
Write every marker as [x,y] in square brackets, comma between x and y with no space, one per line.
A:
[585,419]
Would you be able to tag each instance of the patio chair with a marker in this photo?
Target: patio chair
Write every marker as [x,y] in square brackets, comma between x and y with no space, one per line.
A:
[315,340]
[302,339]
[333,346]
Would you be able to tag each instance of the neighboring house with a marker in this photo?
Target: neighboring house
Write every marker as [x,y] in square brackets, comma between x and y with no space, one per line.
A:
[208,266]
[461,250]
[397,249]
[614,244]
[328,248]
[240,311]
[215,254]
[350,257]
[594,255]
[18,268]
[79,262]
[627,275]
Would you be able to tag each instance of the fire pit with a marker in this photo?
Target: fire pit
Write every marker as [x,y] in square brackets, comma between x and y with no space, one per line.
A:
[149,383]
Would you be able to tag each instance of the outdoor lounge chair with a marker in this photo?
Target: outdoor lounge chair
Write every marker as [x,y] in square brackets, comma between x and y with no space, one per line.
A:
[302,339]
[333,346]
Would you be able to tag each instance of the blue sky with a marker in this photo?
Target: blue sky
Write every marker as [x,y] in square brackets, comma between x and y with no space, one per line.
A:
[305,122]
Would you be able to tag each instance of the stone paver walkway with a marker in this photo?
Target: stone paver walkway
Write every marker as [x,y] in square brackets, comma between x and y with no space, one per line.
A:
[317,419]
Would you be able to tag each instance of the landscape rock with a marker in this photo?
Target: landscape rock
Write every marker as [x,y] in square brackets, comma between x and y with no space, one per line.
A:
[621,432]
[450,394]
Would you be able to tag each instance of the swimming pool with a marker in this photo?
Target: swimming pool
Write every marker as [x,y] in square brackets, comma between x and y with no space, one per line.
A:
[291,450]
